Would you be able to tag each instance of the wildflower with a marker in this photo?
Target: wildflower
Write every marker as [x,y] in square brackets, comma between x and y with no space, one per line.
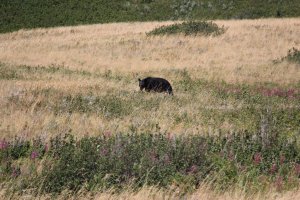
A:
[193,169]
[257,158]
[34,155]
[107,134]
[291,93]
[277,92]
[16,172]
[3,144]
[273,168]
[103,152]
[153,156]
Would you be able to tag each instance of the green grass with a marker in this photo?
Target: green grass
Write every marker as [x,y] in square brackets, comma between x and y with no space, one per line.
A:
[29,14]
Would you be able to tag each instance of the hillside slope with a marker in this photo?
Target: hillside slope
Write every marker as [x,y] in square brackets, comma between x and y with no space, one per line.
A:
[92,71]
[18,14]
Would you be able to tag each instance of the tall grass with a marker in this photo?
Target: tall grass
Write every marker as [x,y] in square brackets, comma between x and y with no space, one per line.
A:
[81,82]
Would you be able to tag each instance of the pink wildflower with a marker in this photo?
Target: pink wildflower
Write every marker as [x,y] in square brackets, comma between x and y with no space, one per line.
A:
[193,169]
[257,158]
[107,134]
[153,156]
[273,169]
[3,144]
[16,172]
[34,155]
[103,152]
[291,93]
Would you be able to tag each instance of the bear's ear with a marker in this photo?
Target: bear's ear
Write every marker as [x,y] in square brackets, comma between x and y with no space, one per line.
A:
[139,80]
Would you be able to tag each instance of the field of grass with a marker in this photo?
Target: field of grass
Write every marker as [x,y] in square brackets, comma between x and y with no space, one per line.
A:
[83,81]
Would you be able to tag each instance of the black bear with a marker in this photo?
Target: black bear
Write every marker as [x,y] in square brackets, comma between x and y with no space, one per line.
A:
[156,85]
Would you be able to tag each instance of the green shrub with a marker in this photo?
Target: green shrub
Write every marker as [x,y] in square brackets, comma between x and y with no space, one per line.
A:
[293,55]
[189,28]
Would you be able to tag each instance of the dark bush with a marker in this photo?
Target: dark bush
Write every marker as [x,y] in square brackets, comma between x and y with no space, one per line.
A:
[293,55]
[189,28]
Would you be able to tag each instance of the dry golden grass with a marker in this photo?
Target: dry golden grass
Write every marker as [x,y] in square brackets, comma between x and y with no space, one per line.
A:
[244,53]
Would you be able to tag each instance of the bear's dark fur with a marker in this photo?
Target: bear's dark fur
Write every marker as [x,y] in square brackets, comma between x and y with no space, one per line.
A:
[156,85]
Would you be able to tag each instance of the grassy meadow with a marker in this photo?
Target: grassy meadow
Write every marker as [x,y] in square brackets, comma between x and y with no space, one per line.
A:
[82,81]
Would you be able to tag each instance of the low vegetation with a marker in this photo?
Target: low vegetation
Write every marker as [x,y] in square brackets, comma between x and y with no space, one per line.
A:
[244,160]
[50,13]
[293,55]
[189,28]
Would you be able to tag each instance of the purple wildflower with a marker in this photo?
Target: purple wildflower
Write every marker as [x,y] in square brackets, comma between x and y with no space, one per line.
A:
[257,158]
[3,144]
[273,169]
[153,156]
[16,172]
[103,152]
[34,155]
[193,169]
[107,134]
[291,93]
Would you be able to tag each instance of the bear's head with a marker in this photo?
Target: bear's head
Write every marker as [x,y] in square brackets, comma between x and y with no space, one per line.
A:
[141,84]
